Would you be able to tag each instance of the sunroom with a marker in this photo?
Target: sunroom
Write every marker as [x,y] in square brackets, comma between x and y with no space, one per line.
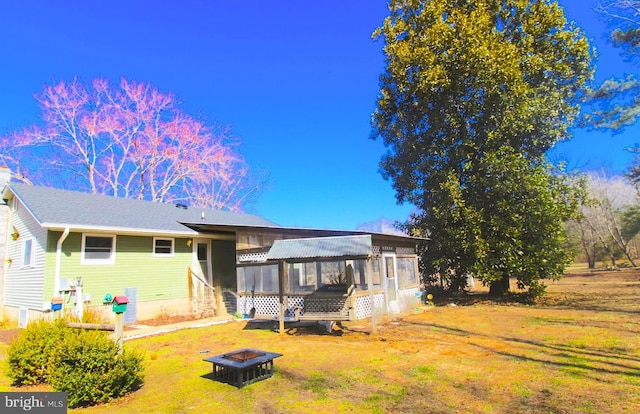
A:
[339,278]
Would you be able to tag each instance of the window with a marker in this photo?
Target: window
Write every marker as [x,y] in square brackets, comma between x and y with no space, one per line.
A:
[388,262]
[260,279]
[27,253]
[201,251]
[98,249]
[162,247]
[407,274]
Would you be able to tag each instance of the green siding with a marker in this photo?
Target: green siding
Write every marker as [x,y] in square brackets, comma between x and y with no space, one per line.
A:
[156,278]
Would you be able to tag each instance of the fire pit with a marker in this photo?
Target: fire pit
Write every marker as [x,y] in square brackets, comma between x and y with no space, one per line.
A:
[243,355]
[243,366]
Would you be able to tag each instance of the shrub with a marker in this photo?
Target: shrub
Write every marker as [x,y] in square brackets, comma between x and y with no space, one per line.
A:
[85,364]
[88,368]
[29,354]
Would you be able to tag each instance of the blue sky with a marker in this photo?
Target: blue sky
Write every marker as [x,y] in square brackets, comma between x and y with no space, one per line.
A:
[297,80]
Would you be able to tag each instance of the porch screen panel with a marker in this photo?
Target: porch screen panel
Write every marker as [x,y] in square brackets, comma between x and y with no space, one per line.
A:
[269,278]
[375,266]
[302,277]
[331,273]
[260,279]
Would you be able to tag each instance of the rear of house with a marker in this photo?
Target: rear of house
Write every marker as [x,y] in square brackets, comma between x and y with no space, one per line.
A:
[86,248]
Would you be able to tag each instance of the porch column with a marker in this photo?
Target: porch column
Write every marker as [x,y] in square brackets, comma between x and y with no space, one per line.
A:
[282,270]
[369,278]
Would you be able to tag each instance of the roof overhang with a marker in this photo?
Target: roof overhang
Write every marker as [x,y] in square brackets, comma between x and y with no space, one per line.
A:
[301,232]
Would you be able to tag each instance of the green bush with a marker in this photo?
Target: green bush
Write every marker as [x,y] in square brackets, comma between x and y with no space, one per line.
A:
[85,364]
[88,368]
[29,356]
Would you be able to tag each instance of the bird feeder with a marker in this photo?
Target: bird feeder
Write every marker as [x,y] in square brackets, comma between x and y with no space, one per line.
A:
[119,304]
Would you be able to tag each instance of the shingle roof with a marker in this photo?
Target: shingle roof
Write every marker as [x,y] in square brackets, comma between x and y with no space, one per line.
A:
[54,208]
[341,246]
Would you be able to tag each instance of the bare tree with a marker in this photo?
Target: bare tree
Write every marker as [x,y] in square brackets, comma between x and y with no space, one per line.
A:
[129,140]
[601,215]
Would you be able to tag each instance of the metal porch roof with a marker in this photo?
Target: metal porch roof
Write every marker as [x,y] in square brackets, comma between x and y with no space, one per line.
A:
[320,247]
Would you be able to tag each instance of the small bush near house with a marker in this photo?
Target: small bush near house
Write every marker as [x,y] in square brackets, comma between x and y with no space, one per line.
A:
[88,368]
[29,356]
[85,364]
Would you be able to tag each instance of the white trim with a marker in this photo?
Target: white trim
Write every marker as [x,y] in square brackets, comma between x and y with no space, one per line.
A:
[119,230]
[112,258]
[196,264]
[173,245]
[393,306]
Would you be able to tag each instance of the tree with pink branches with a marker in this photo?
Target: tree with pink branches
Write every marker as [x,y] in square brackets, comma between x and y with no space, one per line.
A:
[129,141]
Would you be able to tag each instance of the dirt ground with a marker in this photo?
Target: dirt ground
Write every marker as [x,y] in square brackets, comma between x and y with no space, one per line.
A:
[7,335]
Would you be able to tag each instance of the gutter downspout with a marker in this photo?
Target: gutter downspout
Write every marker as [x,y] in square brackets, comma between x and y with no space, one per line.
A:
[56,280]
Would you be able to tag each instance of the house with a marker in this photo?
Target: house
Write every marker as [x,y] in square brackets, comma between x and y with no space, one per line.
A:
[78,248]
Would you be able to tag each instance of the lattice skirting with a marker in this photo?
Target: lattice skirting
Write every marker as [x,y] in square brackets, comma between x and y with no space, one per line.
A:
[363,305]
[269,305]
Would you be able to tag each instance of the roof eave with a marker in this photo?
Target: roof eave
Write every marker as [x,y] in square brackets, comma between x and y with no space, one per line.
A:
[81,228]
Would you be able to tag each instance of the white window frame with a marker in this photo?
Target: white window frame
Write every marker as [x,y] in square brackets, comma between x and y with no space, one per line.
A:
[26,264]
[173,244]
[111,260]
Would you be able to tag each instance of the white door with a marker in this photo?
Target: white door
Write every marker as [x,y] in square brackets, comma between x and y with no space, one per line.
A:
[391,283]
[201,259]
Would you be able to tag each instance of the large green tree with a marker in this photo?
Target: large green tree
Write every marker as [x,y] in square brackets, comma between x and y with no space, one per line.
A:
[473,95]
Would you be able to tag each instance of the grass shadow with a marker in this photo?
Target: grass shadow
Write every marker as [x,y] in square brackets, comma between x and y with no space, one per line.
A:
[595,361]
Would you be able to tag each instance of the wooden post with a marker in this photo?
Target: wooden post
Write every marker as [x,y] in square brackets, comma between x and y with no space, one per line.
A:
[119,329]
[369,274]
[190,289]
[282,268]
[92,326]
[217,293]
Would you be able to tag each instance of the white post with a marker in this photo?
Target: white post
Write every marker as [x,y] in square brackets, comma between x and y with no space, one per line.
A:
[79,299]
[369,277]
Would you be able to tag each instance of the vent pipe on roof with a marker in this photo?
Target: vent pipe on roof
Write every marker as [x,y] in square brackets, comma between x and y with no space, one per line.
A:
[202,216]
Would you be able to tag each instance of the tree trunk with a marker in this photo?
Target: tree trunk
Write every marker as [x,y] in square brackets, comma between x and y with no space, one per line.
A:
[499,287]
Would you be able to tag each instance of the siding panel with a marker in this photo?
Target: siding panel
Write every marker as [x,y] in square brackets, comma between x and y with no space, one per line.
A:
[25,286]
[156,278]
